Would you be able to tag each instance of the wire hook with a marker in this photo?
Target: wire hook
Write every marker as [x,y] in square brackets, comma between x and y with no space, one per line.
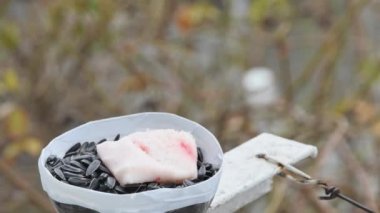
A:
[292,173]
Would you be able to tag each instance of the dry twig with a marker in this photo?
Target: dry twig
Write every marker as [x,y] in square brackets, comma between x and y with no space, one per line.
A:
[332,142]
[361,174]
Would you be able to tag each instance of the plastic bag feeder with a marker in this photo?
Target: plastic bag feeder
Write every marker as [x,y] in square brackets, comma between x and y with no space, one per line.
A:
[69,198]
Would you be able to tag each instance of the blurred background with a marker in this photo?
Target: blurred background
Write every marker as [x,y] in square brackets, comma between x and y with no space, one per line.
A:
[305,70]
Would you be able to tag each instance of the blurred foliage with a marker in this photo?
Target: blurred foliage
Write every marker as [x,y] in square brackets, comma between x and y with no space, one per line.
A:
[192,15]
[10,81]
[15,122]
[269,12]
[63,63]
[9,35]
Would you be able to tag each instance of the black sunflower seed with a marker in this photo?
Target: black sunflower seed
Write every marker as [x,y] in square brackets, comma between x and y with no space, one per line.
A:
[72,174]
[95,157]
[68,154]
[103,176]
[200,155]
[92,167]
[117,137]
[85,162]
[196,180]
[168,185]
[209,173]
[101,141]
[214,171]
[104,169]
[72,169]
[91,147]
[141,188]
[54,163]
[188,183]
[57,164]
[80,157]
[89,155]
[135,185]
[77,164]
[84,147]
[102,187]
[66,160]
[78,181]
[52,160]
[152,186]
[119,189]
[202,171]
[95,175]
[59,173]
[208,166]
[74,148]
[110,183]
[199,164]
[94,183]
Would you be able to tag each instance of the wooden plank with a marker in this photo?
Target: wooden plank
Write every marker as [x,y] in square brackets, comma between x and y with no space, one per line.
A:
[246,178]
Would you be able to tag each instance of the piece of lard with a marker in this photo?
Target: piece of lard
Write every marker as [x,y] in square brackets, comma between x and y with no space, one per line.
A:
[161,155]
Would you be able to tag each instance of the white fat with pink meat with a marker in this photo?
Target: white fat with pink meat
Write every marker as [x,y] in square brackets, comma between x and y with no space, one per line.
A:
[161,155]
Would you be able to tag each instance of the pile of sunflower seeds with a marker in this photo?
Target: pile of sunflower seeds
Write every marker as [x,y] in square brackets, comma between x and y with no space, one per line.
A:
[81,166]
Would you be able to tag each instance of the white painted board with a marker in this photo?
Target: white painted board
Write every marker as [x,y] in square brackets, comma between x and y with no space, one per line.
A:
[246,178]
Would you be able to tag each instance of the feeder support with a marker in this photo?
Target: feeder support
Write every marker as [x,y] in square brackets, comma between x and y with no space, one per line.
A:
[246,178]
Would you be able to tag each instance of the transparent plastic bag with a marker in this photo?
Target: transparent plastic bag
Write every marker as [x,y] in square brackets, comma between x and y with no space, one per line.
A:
[69,198]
